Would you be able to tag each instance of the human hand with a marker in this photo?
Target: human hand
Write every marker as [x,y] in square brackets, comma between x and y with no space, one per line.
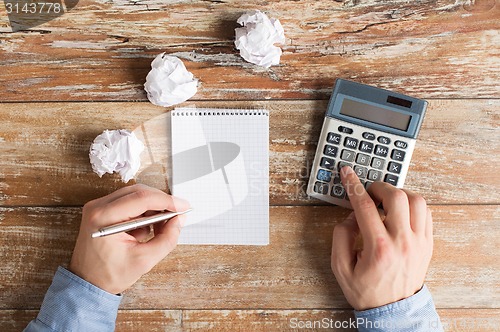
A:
[115,262]
[397,246]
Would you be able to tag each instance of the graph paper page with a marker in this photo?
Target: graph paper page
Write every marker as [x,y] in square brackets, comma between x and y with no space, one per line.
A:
[220,161]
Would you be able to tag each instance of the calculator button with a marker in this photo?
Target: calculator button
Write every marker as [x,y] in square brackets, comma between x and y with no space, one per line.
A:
[381,151]
[363,159]
[401,144]
[351,143]
[336,178]
[321,188]
[369,136]
[330,150]
[342,164]
[327,163]
[338,191]
[366,147]
[394,167]
[346,130]
[398,155]
[378,163]
[374,175]
[324,175]
[333,138]
[392,179]
[347,155]
[361,172]
[367,184]
[384,140]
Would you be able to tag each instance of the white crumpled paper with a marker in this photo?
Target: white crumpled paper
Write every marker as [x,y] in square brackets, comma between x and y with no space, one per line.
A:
[169,82]
[116,151]
[257,38]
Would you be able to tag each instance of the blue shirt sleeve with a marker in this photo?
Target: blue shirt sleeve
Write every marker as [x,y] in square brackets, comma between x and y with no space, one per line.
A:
[73,304]
[414,314]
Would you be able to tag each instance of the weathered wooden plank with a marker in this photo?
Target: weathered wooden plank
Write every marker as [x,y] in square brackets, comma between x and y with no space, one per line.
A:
[454,320]
[266,320]
[102,50]
[45,158]
[292,272]
[319,320]
[127,320]
[149,320]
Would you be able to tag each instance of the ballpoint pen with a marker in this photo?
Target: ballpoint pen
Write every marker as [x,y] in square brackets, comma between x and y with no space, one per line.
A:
[137,223]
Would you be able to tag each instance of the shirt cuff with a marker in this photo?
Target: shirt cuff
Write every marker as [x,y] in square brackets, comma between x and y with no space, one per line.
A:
[415,313]
[73,304]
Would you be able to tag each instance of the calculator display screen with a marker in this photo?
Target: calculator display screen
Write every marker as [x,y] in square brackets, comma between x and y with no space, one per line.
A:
[378,115]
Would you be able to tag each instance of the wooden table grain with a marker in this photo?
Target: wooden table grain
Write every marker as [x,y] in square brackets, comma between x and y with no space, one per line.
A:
[67,80]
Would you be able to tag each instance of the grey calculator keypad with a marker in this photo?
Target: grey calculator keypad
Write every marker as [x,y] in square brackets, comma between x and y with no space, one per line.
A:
[373,157]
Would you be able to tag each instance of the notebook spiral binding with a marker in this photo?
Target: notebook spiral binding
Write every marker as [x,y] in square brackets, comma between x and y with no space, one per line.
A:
[217,111]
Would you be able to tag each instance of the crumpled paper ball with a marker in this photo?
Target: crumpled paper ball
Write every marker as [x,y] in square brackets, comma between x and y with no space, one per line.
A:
[169,82]
[257,37]
[116,151]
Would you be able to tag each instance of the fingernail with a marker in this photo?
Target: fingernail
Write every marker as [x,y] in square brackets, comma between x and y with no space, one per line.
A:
[346,170]
[181,203]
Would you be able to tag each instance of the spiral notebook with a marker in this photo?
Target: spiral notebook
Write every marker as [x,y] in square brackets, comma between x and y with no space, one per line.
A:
[220,164]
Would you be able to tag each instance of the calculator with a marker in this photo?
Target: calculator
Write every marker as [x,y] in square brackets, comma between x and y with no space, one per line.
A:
[373,131]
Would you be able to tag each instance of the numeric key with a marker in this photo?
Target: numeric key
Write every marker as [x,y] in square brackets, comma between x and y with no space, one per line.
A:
[361,172]
[341,164]
[378,163]
[363,159]
[338,191]
[347,155]
[374,175]
[321,188]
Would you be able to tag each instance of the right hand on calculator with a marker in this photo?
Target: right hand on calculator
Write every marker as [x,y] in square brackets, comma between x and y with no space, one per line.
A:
[397,246]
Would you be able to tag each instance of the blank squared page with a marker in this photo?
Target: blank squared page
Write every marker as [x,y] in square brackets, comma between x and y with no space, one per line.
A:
[221,166]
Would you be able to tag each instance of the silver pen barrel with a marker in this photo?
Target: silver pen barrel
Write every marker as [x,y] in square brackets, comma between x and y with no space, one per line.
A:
[136,223]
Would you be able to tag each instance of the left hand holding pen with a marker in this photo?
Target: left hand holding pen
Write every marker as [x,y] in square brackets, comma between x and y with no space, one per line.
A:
[114,263]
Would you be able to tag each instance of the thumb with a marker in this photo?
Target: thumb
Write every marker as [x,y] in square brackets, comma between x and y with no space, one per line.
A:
[343,247]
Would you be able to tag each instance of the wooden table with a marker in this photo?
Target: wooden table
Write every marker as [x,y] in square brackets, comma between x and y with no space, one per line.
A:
[66,81]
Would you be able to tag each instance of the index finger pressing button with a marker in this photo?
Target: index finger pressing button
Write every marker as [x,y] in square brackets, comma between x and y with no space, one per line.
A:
[367,216]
